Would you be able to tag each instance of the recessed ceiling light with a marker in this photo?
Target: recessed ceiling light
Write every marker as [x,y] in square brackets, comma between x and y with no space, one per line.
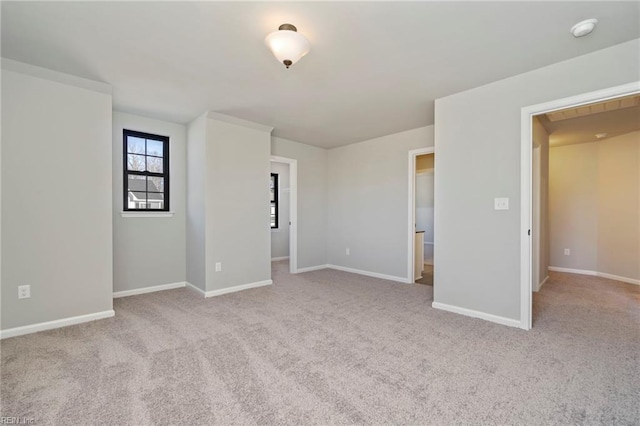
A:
[601,135]
[584,28]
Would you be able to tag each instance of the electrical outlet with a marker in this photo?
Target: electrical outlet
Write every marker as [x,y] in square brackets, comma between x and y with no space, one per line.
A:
[348,251]
[24,291]
[501,204]
[567,252]
[218,266]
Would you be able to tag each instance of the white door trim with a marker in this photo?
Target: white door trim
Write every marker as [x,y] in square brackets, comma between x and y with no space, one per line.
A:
[293,210]
[526,192]
[411,207]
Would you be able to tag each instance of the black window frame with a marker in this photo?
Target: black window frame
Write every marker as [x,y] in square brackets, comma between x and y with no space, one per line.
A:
[276,190]
[126,133]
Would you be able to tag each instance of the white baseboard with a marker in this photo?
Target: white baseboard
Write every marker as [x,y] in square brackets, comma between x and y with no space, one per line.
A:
[50,325]
[543,282]
[275,259]
[572,271]
[370,274]
[477,314]
[233,289]
[151,289]
[311,268]
[355,271]
[193,287]
[619,278]
[597,274]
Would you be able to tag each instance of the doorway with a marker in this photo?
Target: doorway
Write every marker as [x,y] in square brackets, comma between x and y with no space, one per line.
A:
[420,225]
[283,211]
[532,247]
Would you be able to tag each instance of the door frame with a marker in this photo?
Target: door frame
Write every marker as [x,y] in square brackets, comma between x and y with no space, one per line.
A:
[293,210]
[526,180]
[411,207]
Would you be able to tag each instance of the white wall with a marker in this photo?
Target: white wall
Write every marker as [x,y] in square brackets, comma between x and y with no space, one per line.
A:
[56,196]
[368,202]
[594,206]
[149,251]
[477,138]
[280,236]
[312,199]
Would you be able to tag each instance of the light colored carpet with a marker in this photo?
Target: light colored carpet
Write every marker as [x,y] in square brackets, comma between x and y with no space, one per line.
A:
[328,347]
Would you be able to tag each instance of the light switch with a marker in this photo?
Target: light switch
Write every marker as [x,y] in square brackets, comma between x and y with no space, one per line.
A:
[501,204]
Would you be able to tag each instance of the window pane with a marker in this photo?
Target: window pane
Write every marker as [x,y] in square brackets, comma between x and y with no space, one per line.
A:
[136,162]
[273,188]
[155,147]
[155,200]
[154,164]
[137,191]
[156,205]
[135,145]
[155,184]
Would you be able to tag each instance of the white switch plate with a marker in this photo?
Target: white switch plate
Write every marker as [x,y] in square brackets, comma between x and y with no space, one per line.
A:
[24,291]
[501,203]
[218,266]
[567,252]
[348,252]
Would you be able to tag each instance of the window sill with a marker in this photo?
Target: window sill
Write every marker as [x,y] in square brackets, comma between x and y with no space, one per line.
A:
[147,214]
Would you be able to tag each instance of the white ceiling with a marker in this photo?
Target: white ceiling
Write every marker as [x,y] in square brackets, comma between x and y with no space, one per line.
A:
[374,68]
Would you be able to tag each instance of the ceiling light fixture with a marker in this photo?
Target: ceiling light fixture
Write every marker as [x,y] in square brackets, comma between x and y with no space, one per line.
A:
[287,44]
[584,28]
[601,135]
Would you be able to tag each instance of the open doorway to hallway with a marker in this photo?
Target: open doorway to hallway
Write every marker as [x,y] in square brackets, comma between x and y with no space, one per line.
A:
[424,208]
[421,216]
[586,195]
[283,211]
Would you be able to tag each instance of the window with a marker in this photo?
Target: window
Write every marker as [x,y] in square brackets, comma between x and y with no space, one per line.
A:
[274,201]
[146,171]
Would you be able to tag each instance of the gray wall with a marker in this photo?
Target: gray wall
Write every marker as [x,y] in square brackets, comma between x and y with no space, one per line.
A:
[237,204]
[56,200]
[227,202]
[312,199]
[573,206]
[196,195]
[368,202]
[149,251]
[619,206]
[594,206]
[478,146]
[280,235]
[540,227]
[425,199]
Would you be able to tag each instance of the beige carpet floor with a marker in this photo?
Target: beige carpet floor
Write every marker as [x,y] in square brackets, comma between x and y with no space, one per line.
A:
[329,347]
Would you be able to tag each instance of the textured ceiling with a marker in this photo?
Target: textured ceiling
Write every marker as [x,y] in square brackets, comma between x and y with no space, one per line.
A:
[582,124]
[374,68]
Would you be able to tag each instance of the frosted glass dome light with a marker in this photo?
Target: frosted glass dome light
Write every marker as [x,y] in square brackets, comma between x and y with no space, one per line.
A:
[287,44]
[584,28]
